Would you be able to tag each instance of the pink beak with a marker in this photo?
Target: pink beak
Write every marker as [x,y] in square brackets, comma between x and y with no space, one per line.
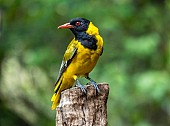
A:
[66,25]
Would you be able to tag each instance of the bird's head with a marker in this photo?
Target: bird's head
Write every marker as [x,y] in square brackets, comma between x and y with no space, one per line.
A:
[77,25]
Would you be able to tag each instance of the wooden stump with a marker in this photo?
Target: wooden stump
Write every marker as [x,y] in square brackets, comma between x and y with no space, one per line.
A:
[79,109]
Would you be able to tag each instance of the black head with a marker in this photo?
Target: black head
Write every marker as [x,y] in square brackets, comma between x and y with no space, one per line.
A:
[77,25]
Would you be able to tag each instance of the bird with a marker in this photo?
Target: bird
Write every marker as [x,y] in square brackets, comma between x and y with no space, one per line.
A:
[80,57]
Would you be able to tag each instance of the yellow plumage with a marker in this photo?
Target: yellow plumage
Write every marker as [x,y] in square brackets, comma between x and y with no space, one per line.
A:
[78,60]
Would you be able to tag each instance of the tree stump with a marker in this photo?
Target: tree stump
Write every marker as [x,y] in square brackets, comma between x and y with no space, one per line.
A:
[79,109]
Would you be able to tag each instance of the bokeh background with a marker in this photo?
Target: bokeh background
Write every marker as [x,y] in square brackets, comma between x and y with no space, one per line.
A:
[135,62]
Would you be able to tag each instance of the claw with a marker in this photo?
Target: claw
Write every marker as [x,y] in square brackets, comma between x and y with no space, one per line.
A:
[94,84]
[83,89]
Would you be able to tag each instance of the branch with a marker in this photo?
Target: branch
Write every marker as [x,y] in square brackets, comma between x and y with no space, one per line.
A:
[79,109]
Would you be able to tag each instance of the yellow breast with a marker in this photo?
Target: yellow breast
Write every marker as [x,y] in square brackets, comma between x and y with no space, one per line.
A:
[85,59]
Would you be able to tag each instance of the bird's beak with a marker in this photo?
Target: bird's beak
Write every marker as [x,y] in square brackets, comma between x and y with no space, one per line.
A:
[66,25]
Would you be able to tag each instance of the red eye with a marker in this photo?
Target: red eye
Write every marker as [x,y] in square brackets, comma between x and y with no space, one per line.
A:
[78,23]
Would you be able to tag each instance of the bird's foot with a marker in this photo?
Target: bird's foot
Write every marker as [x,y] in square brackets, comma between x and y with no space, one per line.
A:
[94,84]
[83,89]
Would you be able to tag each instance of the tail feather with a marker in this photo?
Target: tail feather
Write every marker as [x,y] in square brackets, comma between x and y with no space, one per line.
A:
[62,84]
[55,99]
[56,96]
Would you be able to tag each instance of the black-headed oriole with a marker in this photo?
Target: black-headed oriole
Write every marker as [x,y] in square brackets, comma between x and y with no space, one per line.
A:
[80,57]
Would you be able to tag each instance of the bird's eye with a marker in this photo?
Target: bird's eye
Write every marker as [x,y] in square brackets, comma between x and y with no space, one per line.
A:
[78,23]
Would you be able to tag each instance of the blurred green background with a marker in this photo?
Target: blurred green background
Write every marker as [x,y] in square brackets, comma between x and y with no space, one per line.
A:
[135,62]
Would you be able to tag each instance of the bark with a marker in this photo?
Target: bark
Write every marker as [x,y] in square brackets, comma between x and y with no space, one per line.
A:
[79,109]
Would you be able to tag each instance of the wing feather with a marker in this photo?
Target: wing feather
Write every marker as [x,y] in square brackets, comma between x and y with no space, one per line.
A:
[67,59]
